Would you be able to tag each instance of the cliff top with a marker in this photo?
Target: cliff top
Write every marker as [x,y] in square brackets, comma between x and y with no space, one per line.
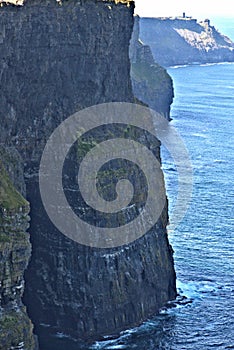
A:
[200,35]
[21,2]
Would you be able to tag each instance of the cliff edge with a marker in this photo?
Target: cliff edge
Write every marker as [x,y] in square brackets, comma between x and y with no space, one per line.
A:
[184,40]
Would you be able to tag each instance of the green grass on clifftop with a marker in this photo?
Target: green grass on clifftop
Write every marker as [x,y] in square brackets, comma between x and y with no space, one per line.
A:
[10,198]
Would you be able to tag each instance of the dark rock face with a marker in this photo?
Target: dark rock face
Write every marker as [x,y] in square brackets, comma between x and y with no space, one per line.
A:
[56,60]
[178,41]
[16,330]
[150,82]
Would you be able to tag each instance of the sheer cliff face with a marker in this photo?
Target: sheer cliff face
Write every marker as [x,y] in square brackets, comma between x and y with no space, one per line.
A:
[185,41]
[54,61]
[150,82]
[15,249]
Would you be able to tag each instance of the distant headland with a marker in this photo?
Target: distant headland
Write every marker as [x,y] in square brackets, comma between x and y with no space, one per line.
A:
[184,40]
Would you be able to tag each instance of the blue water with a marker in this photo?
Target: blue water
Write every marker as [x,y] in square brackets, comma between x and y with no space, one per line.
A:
[203,113]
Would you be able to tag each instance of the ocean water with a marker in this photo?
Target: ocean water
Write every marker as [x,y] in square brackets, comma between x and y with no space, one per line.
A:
[203,243]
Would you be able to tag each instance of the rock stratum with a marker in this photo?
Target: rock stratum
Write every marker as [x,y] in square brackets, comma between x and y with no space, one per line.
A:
[57,58]
[179,41]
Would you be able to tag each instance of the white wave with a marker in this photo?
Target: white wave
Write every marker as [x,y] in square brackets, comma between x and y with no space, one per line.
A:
[189,289]
[221,63]
[195,290]
[200,135]
[208,64]
[200,64]
[215,64]
[113,347]
[62,335]
[179,66]
[219,161]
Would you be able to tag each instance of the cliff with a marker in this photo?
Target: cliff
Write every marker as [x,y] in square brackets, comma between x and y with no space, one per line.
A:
[55,60]
[150,82]
[179,41]
[16,330]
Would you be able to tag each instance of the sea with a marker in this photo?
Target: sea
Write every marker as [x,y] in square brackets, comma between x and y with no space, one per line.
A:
[202,318]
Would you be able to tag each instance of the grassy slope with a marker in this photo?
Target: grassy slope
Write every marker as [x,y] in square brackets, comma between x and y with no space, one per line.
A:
[9,197]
